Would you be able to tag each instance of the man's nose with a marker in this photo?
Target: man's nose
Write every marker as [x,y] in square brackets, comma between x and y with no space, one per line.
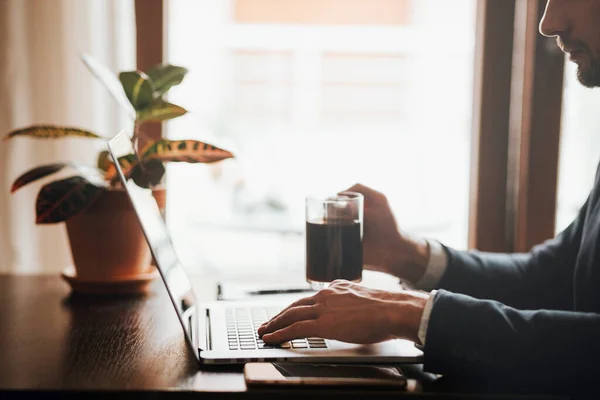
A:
[554,22]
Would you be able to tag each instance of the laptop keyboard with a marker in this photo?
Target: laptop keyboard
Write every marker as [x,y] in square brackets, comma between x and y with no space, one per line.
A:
[242,324]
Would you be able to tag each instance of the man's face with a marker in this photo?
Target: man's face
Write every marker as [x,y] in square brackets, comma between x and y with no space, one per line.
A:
[576,25]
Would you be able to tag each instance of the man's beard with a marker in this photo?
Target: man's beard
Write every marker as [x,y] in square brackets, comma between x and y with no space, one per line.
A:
[589,76]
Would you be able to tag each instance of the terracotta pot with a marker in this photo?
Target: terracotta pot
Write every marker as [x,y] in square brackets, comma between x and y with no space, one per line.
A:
[106,240]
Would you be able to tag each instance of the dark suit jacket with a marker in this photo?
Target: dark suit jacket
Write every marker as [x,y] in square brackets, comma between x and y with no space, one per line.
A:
[533,316]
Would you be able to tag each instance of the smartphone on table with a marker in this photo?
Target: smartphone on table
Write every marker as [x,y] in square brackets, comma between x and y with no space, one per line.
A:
[291,374]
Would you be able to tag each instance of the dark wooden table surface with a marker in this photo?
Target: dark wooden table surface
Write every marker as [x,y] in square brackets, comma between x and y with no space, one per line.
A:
[51,340]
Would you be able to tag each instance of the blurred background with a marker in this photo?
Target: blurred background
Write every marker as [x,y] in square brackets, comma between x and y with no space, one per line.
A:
[317,101]
[314,95]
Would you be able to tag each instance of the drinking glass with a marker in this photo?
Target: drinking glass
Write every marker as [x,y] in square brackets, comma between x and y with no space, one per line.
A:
[334,230]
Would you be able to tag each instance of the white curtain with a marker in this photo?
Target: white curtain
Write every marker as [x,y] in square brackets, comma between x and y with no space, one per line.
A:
[42,80]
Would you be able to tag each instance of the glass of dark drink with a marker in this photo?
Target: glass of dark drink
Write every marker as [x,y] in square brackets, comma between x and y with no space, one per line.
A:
[334,226]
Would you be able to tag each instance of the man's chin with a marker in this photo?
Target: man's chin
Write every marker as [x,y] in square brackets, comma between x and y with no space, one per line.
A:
[589,76]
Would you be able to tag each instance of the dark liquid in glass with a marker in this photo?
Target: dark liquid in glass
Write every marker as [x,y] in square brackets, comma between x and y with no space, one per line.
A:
[333,250]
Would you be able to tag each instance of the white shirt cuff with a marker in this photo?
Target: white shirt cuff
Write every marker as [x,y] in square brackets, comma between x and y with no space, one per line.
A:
[436,266]
[422,334]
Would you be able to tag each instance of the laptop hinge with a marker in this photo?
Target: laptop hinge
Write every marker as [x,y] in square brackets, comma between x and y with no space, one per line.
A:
[208,330]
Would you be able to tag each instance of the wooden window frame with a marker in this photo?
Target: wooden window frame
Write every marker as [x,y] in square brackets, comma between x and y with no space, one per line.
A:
[517,124]
[491,112]
[536,113]
[150,17]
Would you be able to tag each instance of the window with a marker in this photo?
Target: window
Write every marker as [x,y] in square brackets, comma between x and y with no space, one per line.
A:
[579,148]
[315,96]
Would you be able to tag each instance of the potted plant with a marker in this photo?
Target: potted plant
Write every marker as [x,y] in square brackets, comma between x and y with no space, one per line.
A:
[107,244]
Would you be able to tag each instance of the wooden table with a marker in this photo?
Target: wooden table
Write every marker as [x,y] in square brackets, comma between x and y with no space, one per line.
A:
[51,340]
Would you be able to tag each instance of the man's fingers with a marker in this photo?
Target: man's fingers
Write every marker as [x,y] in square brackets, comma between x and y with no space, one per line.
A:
[297,330]
[356,188]
[289,317]
[305,301]
[371,195]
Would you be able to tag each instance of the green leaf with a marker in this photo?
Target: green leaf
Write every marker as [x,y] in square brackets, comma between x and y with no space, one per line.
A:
[138,89]
[60,200]
[110,81]
[36,173]
[160,111]
[191,151]
[165,77]
[52,132]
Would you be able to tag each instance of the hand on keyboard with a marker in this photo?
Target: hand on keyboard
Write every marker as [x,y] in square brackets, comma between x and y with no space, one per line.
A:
[242,326]
[350,313]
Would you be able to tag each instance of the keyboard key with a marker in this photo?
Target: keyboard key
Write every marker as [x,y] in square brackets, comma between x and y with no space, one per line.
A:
[299,345]
[318,346]
[285,345]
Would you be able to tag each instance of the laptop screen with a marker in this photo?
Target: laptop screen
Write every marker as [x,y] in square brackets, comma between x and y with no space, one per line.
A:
[172,272]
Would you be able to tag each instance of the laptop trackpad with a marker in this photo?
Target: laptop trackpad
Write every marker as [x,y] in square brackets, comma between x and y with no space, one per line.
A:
[399,347]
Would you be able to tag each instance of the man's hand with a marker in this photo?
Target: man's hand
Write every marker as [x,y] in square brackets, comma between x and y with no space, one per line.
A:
[350,313]
[385,247]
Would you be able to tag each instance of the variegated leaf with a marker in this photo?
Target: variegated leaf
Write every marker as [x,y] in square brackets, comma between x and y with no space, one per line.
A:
[138,89]
[92,174]
[60,200]
[150,175]
[191,151]
[36,173]
[52,132]
[104,161]
[164,77]
[110,81]
[127,162]
[160,111]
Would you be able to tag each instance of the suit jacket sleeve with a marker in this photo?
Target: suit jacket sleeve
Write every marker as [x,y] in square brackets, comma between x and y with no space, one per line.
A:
[538,279]
[486,338]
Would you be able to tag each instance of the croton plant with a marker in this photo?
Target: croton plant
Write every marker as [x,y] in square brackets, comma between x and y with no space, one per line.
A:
[142,96]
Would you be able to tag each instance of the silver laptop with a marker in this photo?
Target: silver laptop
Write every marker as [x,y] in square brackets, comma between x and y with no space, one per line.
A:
[224,332]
